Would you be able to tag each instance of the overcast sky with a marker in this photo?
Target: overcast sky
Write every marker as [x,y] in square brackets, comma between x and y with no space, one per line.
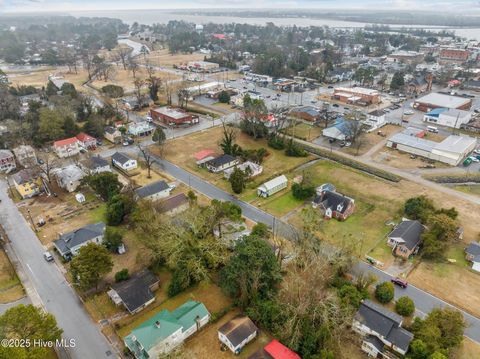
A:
[76,5]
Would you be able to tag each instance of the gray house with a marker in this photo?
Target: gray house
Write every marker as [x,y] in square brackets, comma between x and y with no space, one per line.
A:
[96,164]
[382,332]
[221,163]
[69,244]
[472,254]
[123,162]
[406,238]
[153,191]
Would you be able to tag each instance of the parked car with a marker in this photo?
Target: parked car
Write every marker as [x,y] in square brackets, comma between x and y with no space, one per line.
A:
[48,256]
[335,105]
[474,159]
[408,112]
[477,151]
[468,161]
[400,282]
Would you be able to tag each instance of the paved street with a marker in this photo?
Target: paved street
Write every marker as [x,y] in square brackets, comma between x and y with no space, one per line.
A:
[47,285]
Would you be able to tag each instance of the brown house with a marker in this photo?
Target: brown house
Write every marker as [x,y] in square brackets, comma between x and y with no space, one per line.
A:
[333,204]
[406,238]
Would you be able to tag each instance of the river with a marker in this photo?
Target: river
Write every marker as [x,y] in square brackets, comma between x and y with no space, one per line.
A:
[149,17]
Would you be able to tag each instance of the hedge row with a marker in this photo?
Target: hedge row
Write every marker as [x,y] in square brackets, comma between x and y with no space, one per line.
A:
[475,178]
[351,163]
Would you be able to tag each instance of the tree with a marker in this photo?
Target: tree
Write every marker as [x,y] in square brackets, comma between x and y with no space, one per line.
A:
[148,158]
[153,82]
[122,275]
[113,91]
[238,180]
[70,127]
[28,322]
[228,144]
[260,230]
[305,189]
[418,350]
[69,89]
[112,240]
[442,330]
[159,137]
[384,292]
[252,272]
[138,85]
[438,355]
[405,306]
[89,266]
[224,97]
[123,55]
[118,207]
[105,184]
[442,230]
[418,208]
[134,68]
[49,164]
[398,81]
[51,125]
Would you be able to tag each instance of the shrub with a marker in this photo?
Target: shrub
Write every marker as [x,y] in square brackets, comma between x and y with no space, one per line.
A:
[276,142]
[113,91]
[224,97]
[294,150]
[405,306]
[122,275]
[302,192]
[384,292]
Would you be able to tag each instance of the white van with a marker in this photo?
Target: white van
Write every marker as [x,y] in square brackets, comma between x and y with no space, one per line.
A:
[432,129]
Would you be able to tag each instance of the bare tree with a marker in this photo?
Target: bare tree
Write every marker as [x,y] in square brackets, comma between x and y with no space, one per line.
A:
[88,64]
[149,160]
[49,164]
[105,71]
[133,67]
[153,81]
[183,97]
[123,55]
[139,84]
[356,133]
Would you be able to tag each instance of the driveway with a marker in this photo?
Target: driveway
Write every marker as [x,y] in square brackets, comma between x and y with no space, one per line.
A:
[47,287]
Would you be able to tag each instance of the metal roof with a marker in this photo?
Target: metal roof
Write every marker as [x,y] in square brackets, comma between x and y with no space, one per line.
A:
[456,144]
[412,141]
[443,100]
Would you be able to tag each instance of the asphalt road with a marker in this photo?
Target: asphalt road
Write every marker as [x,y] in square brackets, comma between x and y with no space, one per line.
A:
[48,286]
[424,301]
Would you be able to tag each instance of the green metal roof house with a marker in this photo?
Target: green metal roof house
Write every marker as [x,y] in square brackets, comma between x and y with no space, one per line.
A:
[165,330]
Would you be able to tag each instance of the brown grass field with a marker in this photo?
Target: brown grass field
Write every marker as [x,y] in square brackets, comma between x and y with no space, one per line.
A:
[165,58]
[10,287]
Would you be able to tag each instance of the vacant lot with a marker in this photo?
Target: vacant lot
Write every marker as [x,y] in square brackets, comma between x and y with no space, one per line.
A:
[125,79]
[403,160]
[471,189]
[468,350]
[39,78]
[372,139]
[181,150]
[62,214]
[10,287]
[165,58]
[304,131]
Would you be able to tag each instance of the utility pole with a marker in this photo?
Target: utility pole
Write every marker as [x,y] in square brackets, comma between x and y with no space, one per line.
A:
[31,220]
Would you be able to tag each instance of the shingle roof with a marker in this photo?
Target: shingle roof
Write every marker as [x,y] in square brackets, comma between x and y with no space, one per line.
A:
[385,323]
[377,343]
[473,249]
[151,189]
[5,154]
[24,176]
[221,160]
[238,329]
[72,239]
[172,202]
[96,162]
[409,231]
[334,200]
[120,157]
[135,291]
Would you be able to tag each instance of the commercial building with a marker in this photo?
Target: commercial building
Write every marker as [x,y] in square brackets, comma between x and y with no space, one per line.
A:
[448,117]
[453,56]
[203,66]
[356,95]
[436,100]
[172,116]
[406,57]
[451,150]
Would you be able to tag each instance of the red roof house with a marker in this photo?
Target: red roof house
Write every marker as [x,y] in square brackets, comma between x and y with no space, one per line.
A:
[279,351]
[203,154]
[67,147]
[219,36]
[87,141]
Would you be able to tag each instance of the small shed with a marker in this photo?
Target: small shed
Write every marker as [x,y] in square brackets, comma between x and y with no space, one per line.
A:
[80,197]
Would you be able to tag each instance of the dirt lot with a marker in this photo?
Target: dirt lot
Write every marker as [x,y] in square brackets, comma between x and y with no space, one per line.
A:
[468,350]
[10,287]
[39,78]
[62,214]
[402,160]
[181,150]
[371,139]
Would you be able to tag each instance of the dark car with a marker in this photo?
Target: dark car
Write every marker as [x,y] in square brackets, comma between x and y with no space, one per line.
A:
[335,105]
[400,282]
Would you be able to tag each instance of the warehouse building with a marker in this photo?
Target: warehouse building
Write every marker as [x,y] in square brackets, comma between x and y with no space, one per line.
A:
[172,116]
[451,150]
[448,117]
[439,100]
[356,95]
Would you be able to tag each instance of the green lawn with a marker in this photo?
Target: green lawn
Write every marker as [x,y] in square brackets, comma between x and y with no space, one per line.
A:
[304,131]
[281,205]
[98,214]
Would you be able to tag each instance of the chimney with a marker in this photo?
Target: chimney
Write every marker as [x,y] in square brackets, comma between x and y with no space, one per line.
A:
[157,324]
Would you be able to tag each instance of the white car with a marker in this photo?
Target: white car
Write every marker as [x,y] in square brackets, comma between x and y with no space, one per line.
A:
[408,112]
[477,151]
[474,159]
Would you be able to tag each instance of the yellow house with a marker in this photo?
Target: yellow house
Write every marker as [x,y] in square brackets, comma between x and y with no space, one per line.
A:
[28,183]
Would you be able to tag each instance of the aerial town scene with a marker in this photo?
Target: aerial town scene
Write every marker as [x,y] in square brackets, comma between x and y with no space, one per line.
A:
[256,180]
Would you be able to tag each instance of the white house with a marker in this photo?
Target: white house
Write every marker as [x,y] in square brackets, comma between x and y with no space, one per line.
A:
[69,244]
[237,333]
[67,147]
[249,168]
[273,186]
[166,330]
[142,128]
[472,254]
[69,177]
[448,117]
[95,165]
[221,163]
[123,162]
[375,119]
[381,330]
[153,191]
